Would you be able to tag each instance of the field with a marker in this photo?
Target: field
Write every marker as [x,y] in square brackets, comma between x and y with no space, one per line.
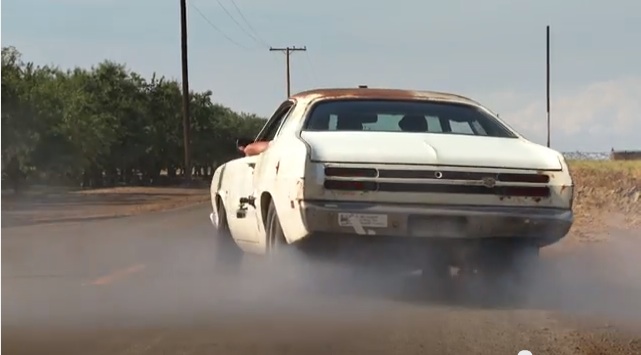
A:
[607,198]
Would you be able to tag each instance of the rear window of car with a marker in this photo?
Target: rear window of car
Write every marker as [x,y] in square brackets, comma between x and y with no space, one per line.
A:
[404,116]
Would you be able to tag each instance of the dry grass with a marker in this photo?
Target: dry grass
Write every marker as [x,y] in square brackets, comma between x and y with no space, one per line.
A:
[631,167]
[608,194]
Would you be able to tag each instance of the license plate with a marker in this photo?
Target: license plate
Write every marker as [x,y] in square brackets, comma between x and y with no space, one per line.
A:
[441,226]
[364,220]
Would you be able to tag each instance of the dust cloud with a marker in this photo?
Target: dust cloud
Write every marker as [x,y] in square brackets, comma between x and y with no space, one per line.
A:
[601,280]
[595,280]
[180,283]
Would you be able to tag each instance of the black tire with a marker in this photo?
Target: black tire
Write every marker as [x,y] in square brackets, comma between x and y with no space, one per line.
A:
[275,241]
[229,256]
[275,236]
[284,262]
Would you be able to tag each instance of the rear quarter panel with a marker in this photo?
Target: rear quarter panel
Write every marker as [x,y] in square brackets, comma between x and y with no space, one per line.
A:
[281,175]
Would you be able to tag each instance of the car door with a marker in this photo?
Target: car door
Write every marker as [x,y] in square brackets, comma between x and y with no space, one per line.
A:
[239,176]
[243,220]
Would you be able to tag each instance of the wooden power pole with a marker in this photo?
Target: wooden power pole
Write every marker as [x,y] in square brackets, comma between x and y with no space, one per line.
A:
[288,51]
[185,79]
[547,80]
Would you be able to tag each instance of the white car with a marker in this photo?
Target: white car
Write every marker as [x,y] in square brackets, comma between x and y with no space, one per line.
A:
[392,177]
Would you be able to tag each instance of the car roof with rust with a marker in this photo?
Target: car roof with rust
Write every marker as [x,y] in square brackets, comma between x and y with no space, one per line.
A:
[380,93]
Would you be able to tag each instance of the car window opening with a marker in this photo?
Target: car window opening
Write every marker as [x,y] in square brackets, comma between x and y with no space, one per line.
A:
[405,116]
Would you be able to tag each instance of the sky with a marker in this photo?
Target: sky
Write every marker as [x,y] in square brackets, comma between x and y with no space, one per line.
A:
[492,51]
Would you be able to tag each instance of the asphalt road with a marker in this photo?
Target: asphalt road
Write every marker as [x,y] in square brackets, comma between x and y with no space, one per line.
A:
[147,285]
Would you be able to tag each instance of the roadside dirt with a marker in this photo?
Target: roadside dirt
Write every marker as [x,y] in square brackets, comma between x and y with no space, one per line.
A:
[47,206]
[608,197]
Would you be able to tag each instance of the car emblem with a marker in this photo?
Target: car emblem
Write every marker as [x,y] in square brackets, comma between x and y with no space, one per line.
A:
[489,182]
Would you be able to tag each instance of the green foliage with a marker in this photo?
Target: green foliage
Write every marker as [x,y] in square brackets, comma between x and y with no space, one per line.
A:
[107,126]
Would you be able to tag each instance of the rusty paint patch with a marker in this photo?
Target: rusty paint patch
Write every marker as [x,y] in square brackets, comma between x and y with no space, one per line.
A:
[277,167]
[373,93]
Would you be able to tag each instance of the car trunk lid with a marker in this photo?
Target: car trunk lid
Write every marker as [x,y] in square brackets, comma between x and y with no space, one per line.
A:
[428,149]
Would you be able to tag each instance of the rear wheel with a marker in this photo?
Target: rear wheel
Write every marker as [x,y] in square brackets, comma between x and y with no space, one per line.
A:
[276,242]
[285,262]
[277,248]
[228,256]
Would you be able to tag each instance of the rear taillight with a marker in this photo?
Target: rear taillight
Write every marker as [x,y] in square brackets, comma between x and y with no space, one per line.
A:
[350,185]
[515,191]
[351,172]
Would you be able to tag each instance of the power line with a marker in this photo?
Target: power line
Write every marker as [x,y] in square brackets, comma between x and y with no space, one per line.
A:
[311,67]
[288,51]
[547,69]
[237,23]
[215,27]
[251,28]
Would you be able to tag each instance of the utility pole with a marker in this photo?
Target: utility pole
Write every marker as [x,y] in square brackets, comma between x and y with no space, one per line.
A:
[185,79]
[288,51]
[547,40]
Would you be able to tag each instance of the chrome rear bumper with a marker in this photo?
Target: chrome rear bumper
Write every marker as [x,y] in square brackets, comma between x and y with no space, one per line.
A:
[432,221]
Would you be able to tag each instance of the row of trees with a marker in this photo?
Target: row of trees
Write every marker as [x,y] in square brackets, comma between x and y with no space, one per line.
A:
[106,126]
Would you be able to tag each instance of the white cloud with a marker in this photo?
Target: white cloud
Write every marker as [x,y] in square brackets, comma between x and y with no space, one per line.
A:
[595,117]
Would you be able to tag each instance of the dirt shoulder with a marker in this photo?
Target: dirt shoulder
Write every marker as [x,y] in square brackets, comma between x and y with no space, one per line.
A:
[47,205]
[608,197]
